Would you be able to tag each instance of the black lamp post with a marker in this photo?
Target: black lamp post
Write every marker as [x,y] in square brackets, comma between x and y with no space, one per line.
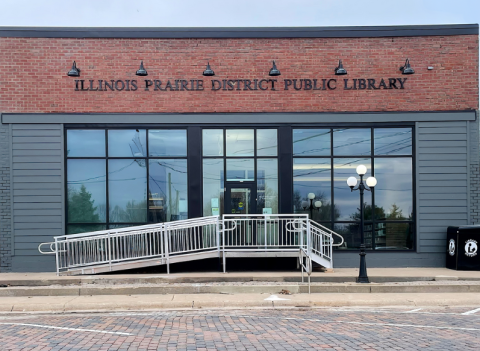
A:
[370,184]
[312,206]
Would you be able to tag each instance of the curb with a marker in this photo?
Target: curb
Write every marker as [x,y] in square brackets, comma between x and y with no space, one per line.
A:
[238,289]
[198,302]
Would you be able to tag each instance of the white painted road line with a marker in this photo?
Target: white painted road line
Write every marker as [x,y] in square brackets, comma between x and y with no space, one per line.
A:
[275,298]
[412,311]
[65,328]
[471,312]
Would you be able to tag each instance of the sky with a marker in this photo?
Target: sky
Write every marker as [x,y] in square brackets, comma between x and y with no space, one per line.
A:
[235,13]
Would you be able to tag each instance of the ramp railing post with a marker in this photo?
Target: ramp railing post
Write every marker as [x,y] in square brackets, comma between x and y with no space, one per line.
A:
[56,257]
[167,247]
[109,248]
[217,226]
[309,242]
[224,258]
[265,230]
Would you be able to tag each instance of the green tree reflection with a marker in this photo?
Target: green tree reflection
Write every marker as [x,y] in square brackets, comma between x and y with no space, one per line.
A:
[81,207]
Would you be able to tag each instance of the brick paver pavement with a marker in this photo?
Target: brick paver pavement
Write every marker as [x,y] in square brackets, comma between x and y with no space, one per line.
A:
[279,329]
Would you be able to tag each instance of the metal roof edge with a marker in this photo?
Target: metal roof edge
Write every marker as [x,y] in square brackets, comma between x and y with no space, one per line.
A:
[241,32]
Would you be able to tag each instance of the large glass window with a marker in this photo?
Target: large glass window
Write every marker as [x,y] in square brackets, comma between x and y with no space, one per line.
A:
[347,203]
[311,142]
[168,190]
[107,173]
[86,143]
[352,142]
[127,190]
[212,142]
[86,191]
[213,186]
[312,175]
[267,185]
[247,156]
[240,142]
[240,169]
[127,143]
[388,209]
[266,142]
[167,142]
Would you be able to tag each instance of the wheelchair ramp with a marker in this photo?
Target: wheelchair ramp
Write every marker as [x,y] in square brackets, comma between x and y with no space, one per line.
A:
[189,240]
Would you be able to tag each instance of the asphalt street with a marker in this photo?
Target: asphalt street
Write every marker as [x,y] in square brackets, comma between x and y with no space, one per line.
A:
[401,328]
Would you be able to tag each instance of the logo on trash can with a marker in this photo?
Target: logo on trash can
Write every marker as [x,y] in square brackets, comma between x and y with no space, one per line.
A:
[451,247]
[471,248]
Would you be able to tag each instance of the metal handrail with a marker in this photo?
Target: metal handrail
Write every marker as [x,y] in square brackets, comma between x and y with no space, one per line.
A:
[164,242]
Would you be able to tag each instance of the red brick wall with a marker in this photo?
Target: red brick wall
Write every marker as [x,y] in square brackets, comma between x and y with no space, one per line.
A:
[33,74]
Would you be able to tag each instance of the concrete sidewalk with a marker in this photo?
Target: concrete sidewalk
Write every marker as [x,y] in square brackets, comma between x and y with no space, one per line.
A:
[340,275]
[196,301]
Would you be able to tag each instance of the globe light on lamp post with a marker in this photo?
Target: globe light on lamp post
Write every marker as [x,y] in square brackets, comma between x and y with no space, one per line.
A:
[370,184]
[313,205]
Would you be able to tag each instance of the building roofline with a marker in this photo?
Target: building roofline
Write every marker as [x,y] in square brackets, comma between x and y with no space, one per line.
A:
[240,32]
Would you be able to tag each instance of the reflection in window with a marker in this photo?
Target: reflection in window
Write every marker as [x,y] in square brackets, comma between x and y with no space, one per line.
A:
[85,143]
[127,182]
[212,142]
[349,142]
[266,142]
[168,143]
[240,142]
[393,141]
[267,185]
[213,187]
[347,204]
[86,191]
[240,169]
[127,143]
[397,236]
[311,142]
[351,235]
[393,193]
[84,228]
[312,175]
[168,190]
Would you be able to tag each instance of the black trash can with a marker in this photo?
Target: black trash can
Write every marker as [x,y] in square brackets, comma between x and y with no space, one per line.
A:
[462,248]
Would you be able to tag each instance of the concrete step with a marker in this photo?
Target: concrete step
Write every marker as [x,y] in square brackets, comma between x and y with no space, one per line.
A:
[242,288]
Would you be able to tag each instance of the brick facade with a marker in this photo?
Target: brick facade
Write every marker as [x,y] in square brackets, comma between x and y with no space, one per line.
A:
[33,74]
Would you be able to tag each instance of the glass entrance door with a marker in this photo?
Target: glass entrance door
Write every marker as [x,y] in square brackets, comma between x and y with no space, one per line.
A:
[240,198]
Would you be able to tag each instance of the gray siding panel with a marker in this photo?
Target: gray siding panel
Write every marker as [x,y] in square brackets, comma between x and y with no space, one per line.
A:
[442,181]
[55,152]
[38,192]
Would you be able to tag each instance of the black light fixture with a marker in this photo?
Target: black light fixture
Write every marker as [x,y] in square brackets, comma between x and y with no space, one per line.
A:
[74,72]
[208,71]
[340,71]
[407,69]
[142,71]
[274,71]
[313,205]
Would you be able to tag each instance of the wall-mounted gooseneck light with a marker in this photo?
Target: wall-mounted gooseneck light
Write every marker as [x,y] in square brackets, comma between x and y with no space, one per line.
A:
[340,71]
[406,69]
[74,71]
[142,71]
[208,71]
[274,71]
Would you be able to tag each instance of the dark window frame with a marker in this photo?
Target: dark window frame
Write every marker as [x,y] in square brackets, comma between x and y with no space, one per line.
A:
[107,157]
[371,157]
[284,158]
